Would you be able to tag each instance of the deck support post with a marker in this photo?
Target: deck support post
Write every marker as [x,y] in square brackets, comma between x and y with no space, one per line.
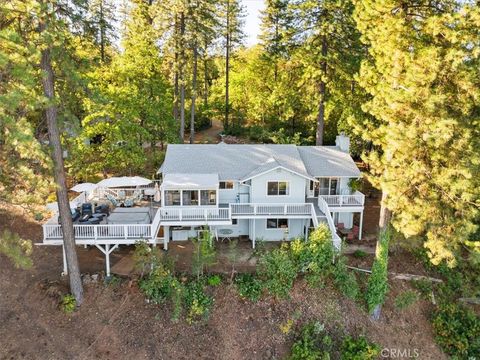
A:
[65,268]
[254,236]
[306,229]
[361,226]
[107,250]
[166,237]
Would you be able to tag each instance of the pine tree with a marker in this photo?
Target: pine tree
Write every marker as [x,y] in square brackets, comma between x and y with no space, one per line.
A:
[423,74]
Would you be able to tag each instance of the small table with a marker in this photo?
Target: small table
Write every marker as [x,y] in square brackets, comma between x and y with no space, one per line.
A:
[225,234]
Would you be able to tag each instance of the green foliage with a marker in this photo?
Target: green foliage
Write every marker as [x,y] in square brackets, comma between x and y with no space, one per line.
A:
[345,280]
[16,249]
[68,304]
[278,271]
[377,286]
[359,254]
[158,284]
[355,184]
[359,349]
[197,302]
[406,299]
[457,331]
[203,253]
[424,125]
[214,280]
[249,287]
[314,257]
[425,287]
[313,343]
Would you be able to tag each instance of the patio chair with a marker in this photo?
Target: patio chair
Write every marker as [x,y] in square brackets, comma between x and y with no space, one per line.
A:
[87,208]
[351,235]
[112,200]
[121,194]
[340,226]
[356,230]
[129,202]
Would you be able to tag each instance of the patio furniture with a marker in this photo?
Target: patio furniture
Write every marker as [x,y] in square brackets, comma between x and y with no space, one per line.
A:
[93,221]
[112,200]
[225,234]
[129,202]
[340,226]
[84,218]
[102,209]
[121,194]
[351,235]
[87,208]
[99,216]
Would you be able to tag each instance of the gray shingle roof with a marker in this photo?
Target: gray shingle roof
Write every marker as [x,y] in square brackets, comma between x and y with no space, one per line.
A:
[240,161]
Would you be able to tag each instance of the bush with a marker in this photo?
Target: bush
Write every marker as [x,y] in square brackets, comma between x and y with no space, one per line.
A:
[278,271]
[314,257]
[312,344]
[248,287]
[203,253]
[406,299]
[377,285]
[344,280]
[359,254]
[158,284]
[457,331]
[358,349]
[214,280]
[197,302]
[68,303]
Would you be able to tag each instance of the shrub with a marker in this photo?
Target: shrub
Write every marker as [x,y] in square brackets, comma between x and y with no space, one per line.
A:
[158,284]
[68,303]
[425,287]
[345,280]
[214,280]
[314,257]
[248,287]
[278,271]
[457,331]
[312,344]
[197,302]
[358,349]
[377,285]
[406,299]
[359,254]
[203,253]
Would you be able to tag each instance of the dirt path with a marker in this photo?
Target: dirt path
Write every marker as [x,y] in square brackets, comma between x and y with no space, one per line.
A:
[207,136]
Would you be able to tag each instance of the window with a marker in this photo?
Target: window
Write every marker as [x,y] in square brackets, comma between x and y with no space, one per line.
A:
[276,188]
[277,223]
[190,197]
[226,185]
[234,221]
[328,186]
[172,197]
[208,197]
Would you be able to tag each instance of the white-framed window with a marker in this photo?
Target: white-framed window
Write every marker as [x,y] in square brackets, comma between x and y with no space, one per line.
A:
[172,197]
[235,222]
[328,186]
[208,197]
[278,188]
[190,197]
[226,185]
[277,224]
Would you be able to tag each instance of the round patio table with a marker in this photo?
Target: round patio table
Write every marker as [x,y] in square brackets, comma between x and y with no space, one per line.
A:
[225,234]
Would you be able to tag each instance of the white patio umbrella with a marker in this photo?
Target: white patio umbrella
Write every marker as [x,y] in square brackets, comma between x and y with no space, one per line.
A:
[156,197]
[84,187]
[124,181]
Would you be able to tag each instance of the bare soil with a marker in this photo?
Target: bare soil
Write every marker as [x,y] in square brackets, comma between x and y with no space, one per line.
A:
[115,322]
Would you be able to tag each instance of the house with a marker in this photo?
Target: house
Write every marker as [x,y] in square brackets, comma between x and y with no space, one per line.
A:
[259,191]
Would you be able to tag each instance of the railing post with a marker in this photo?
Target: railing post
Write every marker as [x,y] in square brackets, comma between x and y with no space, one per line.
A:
[95,232]
[125,231]
[180,212]
[254,209]
[285,209]
[205,214]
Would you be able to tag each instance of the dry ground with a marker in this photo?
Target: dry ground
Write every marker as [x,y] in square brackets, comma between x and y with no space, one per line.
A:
[115,322]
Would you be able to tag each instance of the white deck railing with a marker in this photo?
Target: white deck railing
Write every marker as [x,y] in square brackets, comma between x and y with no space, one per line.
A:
[356,199]
[323,206]
[257,209]
[99,232]
[194,214]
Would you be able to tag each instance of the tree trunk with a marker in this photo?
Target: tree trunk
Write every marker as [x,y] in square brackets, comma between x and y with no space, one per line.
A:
[321,108]
[194,93]
[205,85]
[227,65]
[383,223]
[59,173]
[175,77]
[102,32]
[182,80]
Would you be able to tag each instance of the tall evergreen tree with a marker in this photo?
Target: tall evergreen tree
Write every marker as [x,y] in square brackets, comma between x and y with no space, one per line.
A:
[423,74]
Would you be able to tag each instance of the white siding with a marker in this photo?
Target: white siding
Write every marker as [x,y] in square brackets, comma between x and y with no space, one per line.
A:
[297,185]
[240,229]
[296,228]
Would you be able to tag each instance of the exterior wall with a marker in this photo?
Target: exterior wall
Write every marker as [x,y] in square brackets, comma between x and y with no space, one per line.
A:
[297,185]
[240,229]
[296,228]
[346,218]
[343,186]
[228,195]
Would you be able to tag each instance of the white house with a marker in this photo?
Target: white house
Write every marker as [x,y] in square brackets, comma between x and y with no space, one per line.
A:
[268,192]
